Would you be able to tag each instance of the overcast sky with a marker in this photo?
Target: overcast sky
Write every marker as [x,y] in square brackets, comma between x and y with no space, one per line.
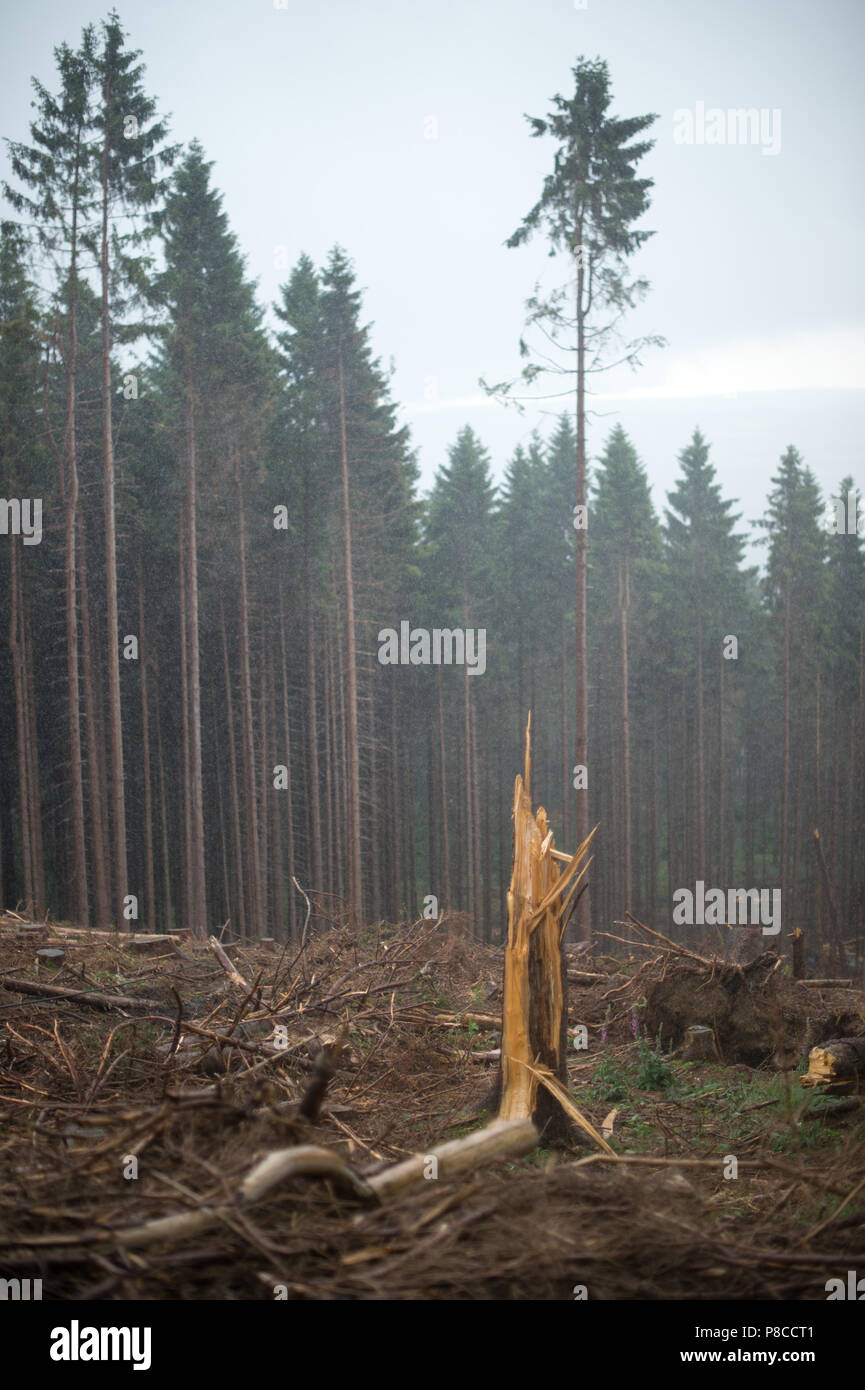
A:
[319,116]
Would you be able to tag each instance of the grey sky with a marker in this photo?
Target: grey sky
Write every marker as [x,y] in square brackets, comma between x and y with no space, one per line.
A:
[317,117]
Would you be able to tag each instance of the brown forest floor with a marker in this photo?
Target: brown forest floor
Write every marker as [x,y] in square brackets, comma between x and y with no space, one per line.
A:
[82,1089]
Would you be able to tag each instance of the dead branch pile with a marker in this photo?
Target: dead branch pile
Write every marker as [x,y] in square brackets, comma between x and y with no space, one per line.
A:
[263,1126]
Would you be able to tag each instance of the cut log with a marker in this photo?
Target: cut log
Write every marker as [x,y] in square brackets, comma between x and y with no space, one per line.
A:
[80,996]
[837,1067]
[826,984]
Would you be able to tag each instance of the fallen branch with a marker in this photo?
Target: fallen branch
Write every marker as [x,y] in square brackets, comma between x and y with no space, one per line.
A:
[496,1141]
[233,974]
[80,996]
[826,984]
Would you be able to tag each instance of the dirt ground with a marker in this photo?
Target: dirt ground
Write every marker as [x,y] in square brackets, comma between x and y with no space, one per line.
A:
[730,1181]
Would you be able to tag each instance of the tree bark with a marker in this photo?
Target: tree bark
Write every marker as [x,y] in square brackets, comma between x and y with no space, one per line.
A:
[355,867]
[118,804]
[197,874]
[149,867]
[248,740]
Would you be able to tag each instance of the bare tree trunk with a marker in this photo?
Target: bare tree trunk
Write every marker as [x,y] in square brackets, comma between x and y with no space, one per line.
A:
[292,924]
[373,825]
[483,820]
[624,606]
[433,870]
[445,856]
[311,697]
[187,893]
[266,783]
[149,868]
[235,790]
[791,902]
[33,759]
[859,827]
[118,805]
[330,812]
[565,755]
[223,845]
[785,775]
[583,915]
[248,740]
[69,484]
[355,874]
[394,837]
[197,875]
[95,743]
[653,826]
[818,810]
[700,760]
[168,904]
[469,803]
[16,647]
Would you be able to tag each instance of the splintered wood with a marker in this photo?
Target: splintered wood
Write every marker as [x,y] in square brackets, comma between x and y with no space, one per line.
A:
[534,1010]
[838,1067]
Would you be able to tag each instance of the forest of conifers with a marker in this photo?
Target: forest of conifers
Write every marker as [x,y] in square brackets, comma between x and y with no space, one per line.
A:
[194,709]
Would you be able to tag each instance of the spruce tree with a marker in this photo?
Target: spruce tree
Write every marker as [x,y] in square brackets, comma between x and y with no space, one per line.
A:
[704,600]
[588,207]
[131,151]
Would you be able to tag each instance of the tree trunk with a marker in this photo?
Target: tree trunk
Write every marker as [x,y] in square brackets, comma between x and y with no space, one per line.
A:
[583,913]
[197,875]
[292,923]
[118,805]
[534,1004]
[445,854]
[314,808]
[235,788]
[95,744]
[187,893]
[624,606]
[149,868]
[16,647]
[785,774]
[248,727]
[355,871]
[699,788]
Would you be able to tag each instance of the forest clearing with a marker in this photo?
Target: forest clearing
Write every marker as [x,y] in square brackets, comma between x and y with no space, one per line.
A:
[337,1121]
[432,674]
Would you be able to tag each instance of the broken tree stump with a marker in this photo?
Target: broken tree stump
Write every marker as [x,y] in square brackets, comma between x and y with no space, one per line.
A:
[51,957]
[534,1003]
[837,1067]
[699,1044]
